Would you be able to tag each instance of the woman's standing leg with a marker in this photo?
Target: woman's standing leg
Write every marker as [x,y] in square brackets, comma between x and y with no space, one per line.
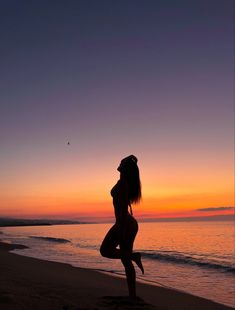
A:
[126,248]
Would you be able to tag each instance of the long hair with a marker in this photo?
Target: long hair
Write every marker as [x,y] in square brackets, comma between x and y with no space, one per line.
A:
[130,172]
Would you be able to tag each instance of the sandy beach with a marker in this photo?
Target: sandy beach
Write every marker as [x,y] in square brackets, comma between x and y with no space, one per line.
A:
[28,283]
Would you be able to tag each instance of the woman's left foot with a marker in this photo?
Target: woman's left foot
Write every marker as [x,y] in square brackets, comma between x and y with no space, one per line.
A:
[137,260]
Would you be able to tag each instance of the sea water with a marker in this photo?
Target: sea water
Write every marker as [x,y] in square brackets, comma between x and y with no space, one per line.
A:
[195,257]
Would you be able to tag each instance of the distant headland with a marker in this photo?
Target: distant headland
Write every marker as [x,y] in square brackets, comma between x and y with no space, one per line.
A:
[8,222]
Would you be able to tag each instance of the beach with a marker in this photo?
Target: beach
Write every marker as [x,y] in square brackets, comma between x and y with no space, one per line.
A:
[29,283]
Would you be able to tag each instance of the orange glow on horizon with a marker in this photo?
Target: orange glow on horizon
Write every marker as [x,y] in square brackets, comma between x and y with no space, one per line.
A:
[174,189]
[70,207]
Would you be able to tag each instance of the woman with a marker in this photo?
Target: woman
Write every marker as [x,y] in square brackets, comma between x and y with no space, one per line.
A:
[123,232]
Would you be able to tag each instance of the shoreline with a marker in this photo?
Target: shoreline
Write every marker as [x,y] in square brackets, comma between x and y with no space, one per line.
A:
[30,283]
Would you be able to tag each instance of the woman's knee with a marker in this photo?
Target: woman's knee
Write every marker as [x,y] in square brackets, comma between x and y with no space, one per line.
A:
[103,250]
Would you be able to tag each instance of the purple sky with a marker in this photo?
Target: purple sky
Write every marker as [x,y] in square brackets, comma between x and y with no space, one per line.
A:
[114,77]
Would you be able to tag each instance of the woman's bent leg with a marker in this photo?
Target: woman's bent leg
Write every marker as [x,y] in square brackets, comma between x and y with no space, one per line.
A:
[136,257]
[109,245]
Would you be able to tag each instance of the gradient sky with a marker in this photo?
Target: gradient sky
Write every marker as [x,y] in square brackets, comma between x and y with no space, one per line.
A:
[150,78]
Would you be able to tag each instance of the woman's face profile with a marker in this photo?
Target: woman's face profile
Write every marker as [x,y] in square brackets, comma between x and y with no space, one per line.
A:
[121,165]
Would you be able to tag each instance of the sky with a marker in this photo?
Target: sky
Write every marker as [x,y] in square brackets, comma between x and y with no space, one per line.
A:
[151,78]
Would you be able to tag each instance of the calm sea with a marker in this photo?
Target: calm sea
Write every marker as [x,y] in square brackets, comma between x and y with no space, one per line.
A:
[195,257]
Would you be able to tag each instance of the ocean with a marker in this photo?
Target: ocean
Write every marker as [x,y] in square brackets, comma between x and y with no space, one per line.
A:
[194,257]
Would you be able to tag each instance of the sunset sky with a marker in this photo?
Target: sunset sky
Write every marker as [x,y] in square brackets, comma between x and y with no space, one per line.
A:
[152,78]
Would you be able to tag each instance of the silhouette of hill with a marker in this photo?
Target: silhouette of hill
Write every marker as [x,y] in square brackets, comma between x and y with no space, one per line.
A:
[35,222]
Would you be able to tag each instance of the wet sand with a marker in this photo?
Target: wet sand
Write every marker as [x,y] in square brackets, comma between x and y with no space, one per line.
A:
[33,284]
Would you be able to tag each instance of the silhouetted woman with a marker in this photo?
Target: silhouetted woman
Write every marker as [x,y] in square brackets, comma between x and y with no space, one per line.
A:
[123,232]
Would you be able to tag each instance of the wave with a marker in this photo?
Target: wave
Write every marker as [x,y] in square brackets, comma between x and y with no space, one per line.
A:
[51,239]
[87,246]
[179,258]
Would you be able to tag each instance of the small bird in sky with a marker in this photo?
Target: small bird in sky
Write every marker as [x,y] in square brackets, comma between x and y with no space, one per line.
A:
[68,143]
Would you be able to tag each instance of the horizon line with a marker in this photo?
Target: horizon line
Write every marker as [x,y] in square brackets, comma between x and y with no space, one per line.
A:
[87,220]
